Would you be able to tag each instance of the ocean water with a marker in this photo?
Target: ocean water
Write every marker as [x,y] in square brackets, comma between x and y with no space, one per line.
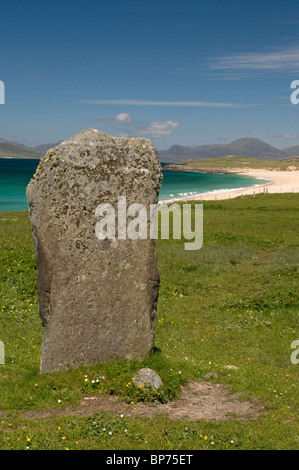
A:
[15,174]
[177,184]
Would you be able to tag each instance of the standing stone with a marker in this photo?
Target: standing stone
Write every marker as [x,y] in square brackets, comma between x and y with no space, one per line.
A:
[97,298]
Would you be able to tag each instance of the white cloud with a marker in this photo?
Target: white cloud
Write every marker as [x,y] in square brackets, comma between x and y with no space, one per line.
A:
[129,127]
[157,129]
[200,104]
[283,59]
[287,136]
[123,117]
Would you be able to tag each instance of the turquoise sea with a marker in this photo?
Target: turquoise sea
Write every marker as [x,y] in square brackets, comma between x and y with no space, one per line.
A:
[15,174]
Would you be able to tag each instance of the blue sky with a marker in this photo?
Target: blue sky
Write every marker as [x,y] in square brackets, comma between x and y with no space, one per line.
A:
[178,72]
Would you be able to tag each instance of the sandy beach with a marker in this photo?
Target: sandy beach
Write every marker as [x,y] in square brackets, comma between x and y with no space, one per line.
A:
[279,182]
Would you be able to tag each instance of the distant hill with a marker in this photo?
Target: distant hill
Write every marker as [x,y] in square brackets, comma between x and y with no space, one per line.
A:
[292,151]
[14,149]
[246,146]
[42,149]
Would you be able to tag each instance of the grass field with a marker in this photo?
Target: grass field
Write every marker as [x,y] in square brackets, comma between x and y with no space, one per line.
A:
[233,302]
[235,161]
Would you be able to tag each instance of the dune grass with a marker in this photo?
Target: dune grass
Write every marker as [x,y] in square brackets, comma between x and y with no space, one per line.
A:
[233,302]
[237,161]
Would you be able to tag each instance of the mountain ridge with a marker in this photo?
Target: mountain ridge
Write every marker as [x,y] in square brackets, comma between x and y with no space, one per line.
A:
[245,146]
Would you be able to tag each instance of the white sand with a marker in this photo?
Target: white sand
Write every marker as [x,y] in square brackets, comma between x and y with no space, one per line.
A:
[279,182]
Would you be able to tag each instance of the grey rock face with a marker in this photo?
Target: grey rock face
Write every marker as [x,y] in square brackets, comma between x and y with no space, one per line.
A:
[97,297]
[148,377]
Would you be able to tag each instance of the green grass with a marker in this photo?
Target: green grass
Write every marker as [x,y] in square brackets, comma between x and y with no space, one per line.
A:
[236,161]
[239,306]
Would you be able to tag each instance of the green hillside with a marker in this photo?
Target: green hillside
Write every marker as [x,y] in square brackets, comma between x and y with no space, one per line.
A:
[237,162]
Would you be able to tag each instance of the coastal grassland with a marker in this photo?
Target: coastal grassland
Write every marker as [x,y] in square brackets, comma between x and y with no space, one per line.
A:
[233,302]
[236,161]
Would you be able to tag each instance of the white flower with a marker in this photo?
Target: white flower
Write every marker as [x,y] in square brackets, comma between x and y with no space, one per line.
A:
[59,401]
